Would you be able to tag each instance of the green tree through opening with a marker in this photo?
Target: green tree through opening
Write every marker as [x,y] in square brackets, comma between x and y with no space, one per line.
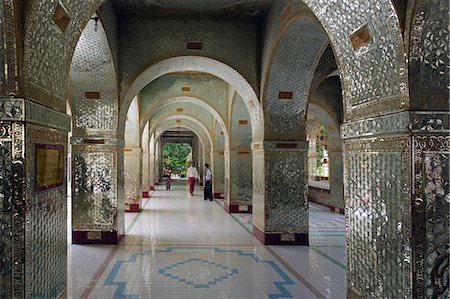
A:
[177,156]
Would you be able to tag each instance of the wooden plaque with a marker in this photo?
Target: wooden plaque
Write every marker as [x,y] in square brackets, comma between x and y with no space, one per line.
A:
[49,166]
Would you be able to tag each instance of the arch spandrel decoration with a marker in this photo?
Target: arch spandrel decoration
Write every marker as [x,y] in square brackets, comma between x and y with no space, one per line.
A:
[46,76]
[203,65]
[206,87]
[374,81]
[294,60]
[186,100]
[190,110]
[191,125]
[93,71]
[157,123]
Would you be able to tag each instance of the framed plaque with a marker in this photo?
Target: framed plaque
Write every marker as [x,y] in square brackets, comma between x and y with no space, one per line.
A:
[49,166]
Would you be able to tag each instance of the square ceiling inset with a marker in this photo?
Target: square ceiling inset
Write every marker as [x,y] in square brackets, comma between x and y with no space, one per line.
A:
[361,38]
[61,17]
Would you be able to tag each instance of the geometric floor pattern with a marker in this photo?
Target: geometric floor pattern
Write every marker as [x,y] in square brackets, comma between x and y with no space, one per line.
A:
[180,246]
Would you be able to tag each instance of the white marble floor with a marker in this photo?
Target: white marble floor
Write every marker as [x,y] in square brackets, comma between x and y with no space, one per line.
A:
[183,247]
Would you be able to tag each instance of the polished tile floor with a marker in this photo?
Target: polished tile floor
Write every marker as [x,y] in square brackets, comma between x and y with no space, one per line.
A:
[183,247]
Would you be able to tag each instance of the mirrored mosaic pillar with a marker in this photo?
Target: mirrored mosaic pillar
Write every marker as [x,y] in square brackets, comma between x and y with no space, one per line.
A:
[219,174]
[159,160]
[132,175]
[145,162]
[397,184]
[152,176]
[240,182]
[336,162]
[280,207]
[145,174]
[33,204]
[97,190]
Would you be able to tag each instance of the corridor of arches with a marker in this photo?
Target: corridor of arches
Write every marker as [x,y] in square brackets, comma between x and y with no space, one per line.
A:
[325,125]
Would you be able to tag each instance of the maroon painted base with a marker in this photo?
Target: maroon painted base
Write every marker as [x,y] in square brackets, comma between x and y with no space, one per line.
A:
[332,209]
[156,183]
[83,237]
[235,208]
[152,188]
[144,194]
[218,195]
[279,238]
[132,208]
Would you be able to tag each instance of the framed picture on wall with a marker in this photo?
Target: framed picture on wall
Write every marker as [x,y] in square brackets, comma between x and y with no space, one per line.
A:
[49,167]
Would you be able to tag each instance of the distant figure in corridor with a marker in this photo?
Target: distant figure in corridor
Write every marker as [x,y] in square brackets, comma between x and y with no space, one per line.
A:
[208,194]
[167,175]
[192,176]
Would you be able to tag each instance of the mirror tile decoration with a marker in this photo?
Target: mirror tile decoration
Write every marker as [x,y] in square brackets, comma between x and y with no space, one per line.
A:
[374,83]
[145,41]
[241,177]
[2,54]
[241,162]
[8,53]
[97,170]
[205,87]
[132,175]
[46,223]
[11,224]
[33,239]
[132,156]
[377,212]
[46,74]
[94,188]
[286,170]
[431,202]
[428,36]
[292,73]
[93,70]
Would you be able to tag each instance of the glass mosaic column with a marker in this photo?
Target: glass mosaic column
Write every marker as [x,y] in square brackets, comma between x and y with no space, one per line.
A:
[218,169]
[132,174]
[280,207]
[396,184]
[240,182]
[33,204]
[145,173]
[97,190]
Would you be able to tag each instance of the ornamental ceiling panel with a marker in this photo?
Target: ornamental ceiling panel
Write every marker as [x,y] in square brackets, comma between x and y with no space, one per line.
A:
[226,8]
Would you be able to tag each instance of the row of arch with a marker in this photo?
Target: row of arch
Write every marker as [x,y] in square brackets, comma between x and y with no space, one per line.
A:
[374,79]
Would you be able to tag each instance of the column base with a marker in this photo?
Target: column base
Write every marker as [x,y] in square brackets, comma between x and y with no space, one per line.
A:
[133,208]
[280,238]
[236,208]
[152,188]
[144,194]
[96,237]
[218,195]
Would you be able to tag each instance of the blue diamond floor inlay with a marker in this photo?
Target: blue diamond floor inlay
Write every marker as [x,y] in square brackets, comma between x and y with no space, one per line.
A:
[227,272]
[280,283]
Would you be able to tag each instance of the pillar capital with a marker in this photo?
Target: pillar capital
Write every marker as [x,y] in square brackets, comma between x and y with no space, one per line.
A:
[280,207]
[404,122]
[24,110]
[280,145]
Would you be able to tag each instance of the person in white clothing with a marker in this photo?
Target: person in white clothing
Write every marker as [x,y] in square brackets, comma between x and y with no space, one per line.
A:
[192,176]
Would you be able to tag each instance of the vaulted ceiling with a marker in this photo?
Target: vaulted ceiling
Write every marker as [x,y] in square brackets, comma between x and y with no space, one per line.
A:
[197,8]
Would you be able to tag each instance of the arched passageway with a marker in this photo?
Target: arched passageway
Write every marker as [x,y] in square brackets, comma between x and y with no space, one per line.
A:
[261,65]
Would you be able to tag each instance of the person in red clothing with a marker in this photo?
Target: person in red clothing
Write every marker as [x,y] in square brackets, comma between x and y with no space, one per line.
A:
[192,175]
